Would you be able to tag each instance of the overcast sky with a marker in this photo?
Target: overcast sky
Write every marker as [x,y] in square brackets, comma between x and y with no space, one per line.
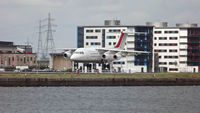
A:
[19,18]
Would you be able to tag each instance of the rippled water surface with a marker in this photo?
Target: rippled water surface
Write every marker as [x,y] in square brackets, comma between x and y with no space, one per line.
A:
[176,99]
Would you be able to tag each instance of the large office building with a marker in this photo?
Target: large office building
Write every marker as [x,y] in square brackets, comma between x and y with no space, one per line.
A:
[172,49]
[178,47]
[106,36]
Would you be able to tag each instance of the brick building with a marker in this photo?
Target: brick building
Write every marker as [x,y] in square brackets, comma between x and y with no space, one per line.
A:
[12,56]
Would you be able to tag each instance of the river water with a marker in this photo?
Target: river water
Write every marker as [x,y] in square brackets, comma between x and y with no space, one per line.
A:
[148,99]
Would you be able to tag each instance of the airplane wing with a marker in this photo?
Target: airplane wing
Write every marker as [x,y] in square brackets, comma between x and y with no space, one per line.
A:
[129,52]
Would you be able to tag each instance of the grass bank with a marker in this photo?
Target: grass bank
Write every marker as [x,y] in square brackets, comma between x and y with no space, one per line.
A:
[70,75]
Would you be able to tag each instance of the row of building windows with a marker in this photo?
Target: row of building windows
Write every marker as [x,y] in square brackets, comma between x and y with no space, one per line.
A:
[91,31]
[110,43]
[164,50]
[173,69]
[93,43]
[165,63]
[166,32]
[170,57]
[20,59]
[165,38]
[167,44]
[25,59]
[121,62]
[91,37]
[99,30]
[111,37]
[115,30]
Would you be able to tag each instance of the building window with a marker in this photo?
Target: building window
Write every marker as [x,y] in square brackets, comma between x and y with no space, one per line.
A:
[13,59]
[183,36]
[97,30]
[172,63]
[114,30]
[170,32]
[111,37]
[183,43]
[87,43]
[183,55]
[34,60]
[160,57]
[8,60]
[89,31]
[167,44]
[155,38]
[155,44]
[171,57]
[114,43]
[95,43]
[162,63]
[31,59]
[157,32]
[109,43]
[18,58]
[24,59]
[160,50]
[27,59]
[173,38]
[162,38]
[91,37]
[183,49]
[173,69]
[183,62]
[120,62]
[173,50]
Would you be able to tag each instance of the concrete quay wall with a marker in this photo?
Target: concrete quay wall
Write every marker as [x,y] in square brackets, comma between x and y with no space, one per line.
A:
[36,82]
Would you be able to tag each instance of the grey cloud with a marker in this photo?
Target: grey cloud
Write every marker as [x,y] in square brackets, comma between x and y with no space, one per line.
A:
[19,17]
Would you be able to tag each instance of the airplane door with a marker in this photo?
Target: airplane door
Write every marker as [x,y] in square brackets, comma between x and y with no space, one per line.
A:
[142,70]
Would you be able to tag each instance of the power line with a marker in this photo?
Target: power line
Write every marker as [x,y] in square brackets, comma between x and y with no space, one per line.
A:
[48,46]
[49,43]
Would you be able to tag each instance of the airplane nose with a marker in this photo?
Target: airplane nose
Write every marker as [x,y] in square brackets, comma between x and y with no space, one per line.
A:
[73,57]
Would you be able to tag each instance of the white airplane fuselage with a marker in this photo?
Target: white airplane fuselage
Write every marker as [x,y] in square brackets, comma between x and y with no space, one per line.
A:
[100,54]
[86,55]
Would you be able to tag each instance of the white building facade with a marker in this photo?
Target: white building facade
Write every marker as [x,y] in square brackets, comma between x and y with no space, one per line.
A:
[107,36]
[172,49]
[171,44]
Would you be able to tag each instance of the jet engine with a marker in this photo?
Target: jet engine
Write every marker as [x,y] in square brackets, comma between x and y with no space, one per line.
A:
[67,54]
[108,57]
[117,56]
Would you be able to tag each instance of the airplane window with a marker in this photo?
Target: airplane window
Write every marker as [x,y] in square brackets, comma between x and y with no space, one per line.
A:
[79,52]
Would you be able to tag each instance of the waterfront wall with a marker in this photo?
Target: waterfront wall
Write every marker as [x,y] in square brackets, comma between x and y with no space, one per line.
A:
[34,82]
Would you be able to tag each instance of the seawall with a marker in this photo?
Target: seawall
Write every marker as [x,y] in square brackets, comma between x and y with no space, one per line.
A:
[35,82]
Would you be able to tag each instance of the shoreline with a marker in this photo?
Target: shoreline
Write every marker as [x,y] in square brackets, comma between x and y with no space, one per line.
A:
[51,82]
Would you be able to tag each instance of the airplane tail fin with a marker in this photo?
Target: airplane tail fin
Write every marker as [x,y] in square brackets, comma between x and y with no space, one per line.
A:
[122,41]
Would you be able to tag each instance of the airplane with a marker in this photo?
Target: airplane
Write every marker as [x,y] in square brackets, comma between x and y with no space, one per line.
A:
[101,54]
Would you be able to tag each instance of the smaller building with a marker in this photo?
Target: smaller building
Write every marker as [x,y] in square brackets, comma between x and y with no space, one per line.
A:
[11,60]
[16,55]
[59,63]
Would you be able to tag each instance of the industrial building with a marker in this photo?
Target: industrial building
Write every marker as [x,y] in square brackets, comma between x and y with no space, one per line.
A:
[16,55]
[59,63]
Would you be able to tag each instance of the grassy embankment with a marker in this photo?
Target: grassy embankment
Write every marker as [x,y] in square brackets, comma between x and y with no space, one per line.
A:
[135,75]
